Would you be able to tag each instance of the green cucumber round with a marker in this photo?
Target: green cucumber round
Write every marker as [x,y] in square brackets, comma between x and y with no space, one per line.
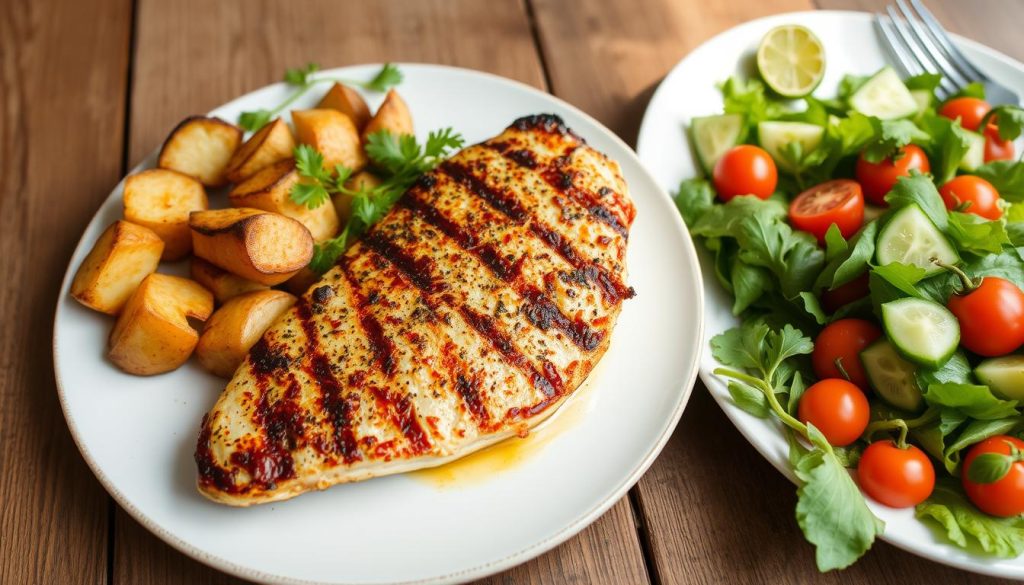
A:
[891,376]
[922,331]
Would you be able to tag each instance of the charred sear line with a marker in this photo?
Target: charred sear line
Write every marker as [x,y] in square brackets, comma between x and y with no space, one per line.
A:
[499,200]
[382,347]
[548,381]
[402,414]
[543,314]
[548,123]
[418,270]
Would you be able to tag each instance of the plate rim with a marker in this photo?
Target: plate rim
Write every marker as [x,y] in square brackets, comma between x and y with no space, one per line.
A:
[976,563]
[684,388]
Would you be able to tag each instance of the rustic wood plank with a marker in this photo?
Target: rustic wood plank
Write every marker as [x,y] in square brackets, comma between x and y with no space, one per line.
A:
[712,510]
[64,74]
[995,23]
[186,64]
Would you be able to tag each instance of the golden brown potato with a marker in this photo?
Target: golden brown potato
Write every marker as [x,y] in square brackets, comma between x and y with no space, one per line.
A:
[257,245]
[347,101]
[358,181]
[271,189]
[221,283]
[300,283]
[153,334]
[201,147]
[271,143]
[333,134]
[124,255]
[392,115]
[236,326]
[161,200]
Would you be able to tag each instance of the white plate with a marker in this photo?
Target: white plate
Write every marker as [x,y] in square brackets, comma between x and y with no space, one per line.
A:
[690,90]
[138,434]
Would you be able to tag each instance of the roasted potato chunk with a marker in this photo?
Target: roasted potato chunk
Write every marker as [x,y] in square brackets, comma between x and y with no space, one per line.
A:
[343,202]
[347,101]
[271,143]
[271,189]
[161,200]
[333,134]
[236,326]
[221,283]
[124,255]
[257,245]
[201,147]
[392,115]
[153,334]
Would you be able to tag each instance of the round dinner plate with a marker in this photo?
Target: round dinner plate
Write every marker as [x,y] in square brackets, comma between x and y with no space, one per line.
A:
[138,434]
[689,90]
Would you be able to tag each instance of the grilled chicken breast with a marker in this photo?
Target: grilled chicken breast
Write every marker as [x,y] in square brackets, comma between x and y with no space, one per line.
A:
[464,317]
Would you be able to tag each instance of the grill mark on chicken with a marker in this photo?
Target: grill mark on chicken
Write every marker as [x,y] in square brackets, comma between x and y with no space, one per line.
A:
[539,310]
[563,179]
[383,348]
[612,288]
[402,414]
[338,406]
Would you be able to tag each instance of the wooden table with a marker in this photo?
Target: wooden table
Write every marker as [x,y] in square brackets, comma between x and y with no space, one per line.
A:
[90,87]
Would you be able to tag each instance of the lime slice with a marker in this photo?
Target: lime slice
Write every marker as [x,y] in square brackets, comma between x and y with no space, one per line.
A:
[791,60]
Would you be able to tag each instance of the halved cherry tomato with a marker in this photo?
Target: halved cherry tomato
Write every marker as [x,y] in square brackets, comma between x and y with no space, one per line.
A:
[970,111]
[995,147]
[837,408]
[1005,496]
[839,202]
[745,170]
[878,179]
[972,194]
[899,478]
[991,316]
[845,294]
[842,341]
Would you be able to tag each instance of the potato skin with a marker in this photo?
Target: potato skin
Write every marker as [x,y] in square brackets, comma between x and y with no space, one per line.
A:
[161,199]
[393,115]
[236,327]
[347,101]
[152,334]
[271,143]
[221,283]
[256,245]
[201,147]
[119,260]
[333,134]
[271,189]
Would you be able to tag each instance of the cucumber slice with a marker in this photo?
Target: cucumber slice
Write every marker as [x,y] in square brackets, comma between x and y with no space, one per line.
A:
[922,331]
[891,376]
[923,98]
[773,136]
[714,135]
[884,96]
[911,238]
[1003,375]
[975,155]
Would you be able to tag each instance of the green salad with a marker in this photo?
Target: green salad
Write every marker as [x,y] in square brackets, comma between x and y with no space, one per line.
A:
[873,247]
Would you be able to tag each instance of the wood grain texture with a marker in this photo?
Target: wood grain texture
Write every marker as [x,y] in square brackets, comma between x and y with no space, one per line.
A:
[186,65]
[712,509]
[62,99]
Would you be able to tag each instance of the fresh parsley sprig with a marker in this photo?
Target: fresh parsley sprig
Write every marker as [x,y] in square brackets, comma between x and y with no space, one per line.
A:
[303,79]
[399,161]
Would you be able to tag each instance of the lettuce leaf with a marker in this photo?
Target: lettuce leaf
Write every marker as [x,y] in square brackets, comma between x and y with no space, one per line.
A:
[961,521]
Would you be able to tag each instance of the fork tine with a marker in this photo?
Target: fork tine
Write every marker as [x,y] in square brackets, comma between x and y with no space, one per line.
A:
[920,55]
[942,38]
[896,50]
[946,67]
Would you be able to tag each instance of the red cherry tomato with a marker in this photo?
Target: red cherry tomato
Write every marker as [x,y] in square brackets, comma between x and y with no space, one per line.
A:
[845,294]
[839,202]
[899,478]
[1005,496]
[969,110]
[843,340]
[837,408]
[745,170]
[991,317]
[972,194]
[995,147]
[878,179]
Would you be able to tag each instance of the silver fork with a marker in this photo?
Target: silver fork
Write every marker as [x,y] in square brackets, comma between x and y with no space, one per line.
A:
[919,44]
